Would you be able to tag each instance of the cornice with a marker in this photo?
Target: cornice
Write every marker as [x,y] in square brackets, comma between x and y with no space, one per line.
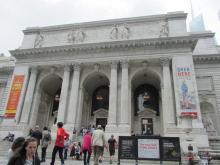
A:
[205,59]
[166,42]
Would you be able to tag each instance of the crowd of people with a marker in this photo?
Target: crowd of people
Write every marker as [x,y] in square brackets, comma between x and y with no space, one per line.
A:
[24,149]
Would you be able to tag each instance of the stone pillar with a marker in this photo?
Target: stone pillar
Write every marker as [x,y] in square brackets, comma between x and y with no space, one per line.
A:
[80,109]
[124,110]
[111,126]
[29,96]
[64,93]
[73,102]
[35,108]
[168,111]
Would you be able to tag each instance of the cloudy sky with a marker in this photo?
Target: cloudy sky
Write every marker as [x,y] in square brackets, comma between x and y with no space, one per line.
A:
[16,15]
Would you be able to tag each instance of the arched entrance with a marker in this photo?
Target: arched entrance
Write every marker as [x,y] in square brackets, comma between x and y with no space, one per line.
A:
[96,100]
[50,88]
[146,118]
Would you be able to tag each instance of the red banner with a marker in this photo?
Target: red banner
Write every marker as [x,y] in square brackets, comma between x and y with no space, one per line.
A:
[14,96]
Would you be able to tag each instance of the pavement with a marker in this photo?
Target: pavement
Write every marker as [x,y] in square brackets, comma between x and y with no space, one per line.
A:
[4,160]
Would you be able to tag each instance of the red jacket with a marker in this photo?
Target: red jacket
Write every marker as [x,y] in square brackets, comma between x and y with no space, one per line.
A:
[61,134]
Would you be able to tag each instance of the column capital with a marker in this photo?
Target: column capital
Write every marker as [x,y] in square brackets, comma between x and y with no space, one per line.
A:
[66,67]
[114,64]
[76,66]
[165,61]
[124,63]
[34,69]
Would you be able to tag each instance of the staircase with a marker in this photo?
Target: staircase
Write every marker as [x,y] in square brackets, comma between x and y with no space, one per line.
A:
[4,147]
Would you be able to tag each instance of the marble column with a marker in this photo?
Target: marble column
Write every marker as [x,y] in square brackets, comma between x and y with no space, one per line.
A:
[73,102]
[124,110]
[64,94]
[167,95]
[35,108]
[80,108]
[113,98]
[29,96]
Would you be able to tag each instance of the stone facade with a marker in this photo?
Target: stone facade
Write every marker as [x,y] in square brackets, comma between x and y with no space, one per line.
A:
[123,55]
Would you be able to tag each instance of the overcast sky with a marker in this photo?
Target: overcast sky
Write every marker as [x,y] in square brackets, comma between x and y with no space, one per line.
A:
[16,15]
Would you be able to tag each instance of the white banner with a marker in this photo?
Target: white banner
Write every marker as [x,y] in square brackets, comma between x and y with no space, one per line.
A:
[148,148]
[185,86]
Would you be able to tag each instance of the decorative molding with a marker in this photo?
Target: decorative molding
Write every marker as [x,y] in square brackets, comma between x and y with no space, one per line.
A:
[165,61]
[206,59]
[76,66]
[34,69]
[124,63]
[66,68]
[114,64]
[165,43]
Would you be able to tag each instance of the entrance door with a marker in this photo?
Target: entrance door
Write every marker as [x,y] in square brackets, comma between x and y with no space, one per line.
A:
[147,126]
[102,122]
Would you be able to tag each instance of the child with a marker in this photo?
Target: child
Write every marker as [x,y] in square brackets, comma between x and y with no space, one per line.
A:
[78,150]
[67,143]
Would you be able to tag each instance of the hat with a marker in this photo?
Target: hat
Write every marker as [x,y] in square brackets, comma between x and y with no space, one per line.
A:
[99,126]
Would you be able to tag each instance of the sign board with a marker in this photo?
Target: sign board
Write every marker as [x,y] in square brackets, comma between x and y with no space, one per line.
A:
[148,148]
[127,147]
[170,149]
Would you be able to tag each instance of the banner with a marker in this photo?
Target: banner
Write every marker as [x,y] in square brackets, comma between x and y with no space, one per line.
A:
[148,149]
[184,82]
[14,96]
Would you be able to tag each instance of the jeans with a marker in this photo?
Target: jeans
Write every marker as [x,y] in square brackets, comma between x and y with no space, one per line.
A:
[86,161]
[43,154]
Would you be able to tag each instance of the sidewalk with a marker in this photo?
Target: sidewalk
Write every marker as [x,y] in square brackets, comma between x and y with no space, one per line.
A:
[3,161]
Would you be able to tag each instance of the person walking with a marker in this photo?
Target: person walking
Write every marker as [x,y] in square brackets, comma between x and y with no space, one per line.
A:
[46,140]
[87,147]
[26,154]
[59,143]
[98,143]
[111,145]
[18,142]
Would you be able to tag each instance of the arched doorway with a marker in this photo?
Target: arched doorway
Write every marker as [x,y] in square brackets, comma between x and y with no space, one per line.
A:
[146,118]
[96,100]
[50,88]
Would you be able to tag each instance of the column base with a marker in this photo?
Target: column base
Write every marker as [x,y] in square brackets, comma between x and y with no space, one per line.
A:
[125,129]
[111,128]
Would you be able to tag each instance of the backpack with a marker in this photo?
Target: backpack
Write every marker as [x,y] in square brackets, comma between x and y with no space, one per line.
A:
[47,137]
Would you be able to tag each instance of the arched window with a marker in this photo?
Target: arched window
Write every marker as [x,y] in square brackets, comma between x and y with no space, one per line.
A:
[100,98]
[146,97]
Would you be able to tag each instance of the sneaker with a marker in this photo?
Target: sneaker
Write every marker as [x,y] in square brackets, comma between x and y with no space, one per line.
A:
[110,162]
[100,161]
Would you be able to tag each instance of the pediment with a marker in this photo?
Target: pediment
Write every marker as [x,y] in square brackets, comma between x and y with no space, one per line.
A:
[147,112]
[101,112]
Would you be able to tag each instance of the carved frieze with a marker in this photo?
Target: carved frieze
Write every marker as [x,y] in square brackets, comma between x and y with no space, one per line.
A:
[164,30]
[38,41]
[120,32]
[76,36]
